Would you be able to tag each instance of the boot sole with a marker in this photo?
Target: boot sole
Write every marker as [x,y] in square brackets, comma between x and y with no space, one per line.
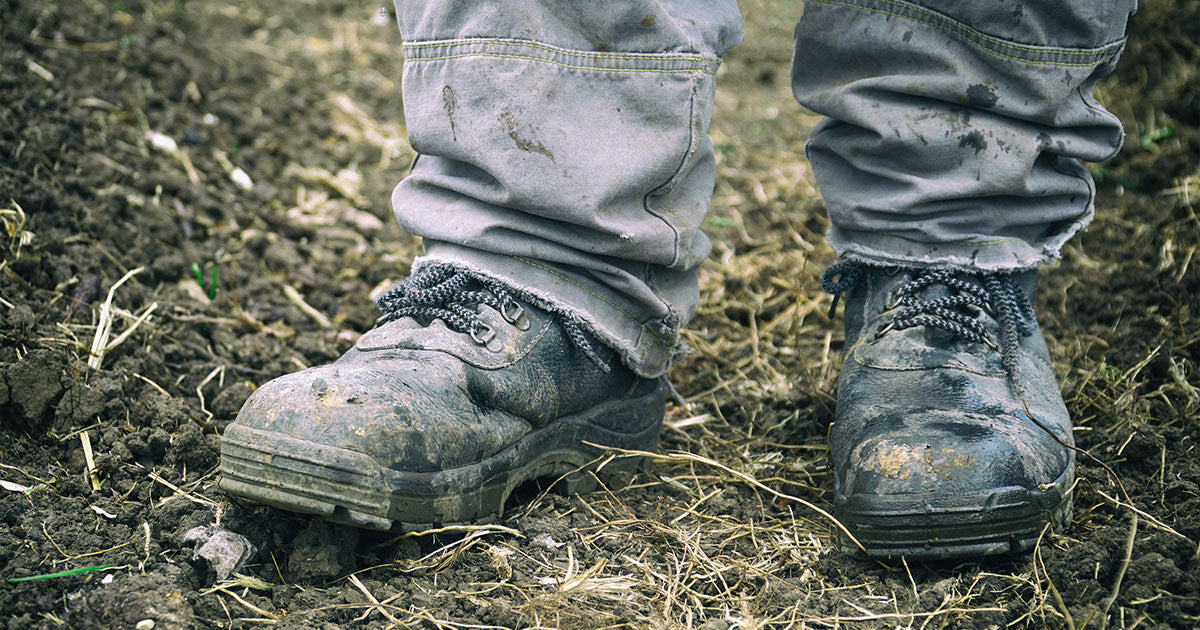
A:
[1000,521]
[351,488]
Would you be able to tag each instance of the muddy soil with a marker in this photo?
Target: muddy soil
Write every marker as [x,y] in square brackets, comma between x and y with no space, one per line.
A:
[141,138]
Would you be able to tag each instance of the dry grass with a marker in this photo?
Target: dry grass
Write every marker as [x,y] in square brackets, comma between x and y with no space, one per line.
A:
[729,528]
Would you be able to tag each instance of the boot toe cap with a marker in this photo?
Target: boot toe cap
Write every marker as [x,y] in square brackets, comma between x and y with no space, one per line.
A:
[952,453]
[414,417]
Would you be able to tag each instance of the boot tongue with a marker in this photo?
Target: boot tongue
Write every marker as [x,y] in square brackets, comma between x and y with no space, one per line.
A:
[936,291]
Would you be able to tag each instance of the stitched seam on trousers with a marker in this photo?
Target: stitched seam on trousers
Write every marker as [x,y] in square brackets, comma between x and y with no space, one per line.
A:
[692,128]
[598,297]
[564,65]
[674,177]
[958,28]
[978,39]
[1097,108]
[1083,174]
[996,40]
[562,51]
[566,58]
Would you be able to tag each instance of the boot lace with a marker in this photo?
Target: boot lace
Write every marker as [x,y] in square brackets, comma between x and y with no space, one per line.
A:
[994,293]
[445,293]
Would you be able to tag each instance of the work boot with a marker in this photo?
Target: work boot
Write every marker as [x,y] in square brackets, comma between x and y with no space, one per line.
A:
[461,392]
[951,438]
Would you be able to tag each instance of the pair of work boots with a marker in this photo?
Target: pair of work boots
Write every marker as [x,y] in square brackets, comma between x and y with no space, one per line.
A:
[951,438]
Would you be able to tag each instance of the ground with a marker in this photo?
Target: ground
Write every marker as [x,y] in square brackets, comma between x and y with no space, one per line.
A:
[140,137]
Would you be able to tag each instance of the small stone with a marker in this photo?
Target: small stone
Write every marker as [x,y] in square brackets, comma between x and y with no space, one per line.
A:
[242,179]
[145,624]
[162,142]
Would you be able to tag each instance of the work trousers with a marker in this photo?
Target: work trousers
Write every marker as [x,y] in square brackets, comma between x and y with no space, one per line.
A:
[563,146]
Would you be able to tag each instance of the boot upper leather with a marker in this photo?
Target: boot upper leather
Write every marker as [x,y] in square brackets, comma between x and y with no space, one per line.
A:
[421,397]
[922,410]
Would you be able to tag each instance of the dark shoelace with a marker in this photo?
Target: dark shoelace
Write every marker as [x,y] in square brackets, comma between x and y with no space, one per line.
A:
[442,292]
[994,293]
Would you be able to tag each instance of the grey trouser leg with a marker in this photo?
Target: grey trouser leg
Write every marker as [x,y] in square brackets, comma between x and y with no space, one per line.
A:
[955,126]
[564,148]
[564,151]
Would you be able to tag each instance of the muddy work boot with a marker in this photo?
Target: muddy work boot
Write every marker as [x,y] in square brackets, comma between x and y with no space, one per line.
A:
[461,392]
[951,438]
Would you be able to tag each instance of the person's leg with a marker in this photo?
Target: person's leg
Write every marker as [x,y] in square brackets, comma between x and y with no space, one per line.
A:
[949,167]
[955,129]
[564,151]
[563,174]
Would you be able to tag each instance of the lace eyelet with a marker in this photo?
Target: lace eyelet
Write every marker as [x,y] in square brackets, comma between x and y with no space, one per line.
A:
[890,301]
[383,319]
[515,314]
[482,334]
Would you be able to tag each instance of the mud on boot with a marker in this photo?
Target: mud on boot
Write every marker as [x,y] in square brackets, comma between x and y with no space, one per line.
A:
[461,392]
[951,438]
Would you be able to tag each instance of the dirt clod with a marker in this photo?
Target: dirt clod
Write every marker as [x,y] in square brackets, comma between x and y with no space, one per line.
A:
[322,551]
[130,599]
[34,384]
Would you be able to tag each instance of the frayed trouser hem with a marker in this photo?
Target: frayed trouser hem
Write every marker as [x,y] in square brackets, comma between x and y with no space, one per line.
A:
[1001,256]
[647,353]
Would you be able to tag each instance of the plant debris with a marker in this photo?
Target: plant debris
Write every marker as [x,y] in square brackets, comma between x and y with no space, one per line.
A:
[277,136]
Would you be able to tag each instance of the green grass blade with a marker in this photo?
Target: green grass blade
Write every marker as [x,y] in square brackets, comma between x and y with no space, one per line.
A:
[47,576]
[212,288]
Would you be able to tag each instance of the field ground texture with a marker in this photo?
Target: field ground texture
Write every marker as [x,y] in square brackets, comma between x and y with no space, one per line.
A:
[140,137]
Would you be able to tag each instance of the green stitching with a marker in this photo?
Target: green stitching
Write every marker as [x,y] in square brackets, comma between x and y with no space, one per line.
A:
[965,33]
[564,65]
[996,40]
[563,51]
[598,297]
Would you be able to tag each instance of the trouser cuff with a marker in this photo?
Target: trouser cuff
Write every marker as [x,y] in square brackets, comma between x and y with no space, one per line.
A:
[647,347]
